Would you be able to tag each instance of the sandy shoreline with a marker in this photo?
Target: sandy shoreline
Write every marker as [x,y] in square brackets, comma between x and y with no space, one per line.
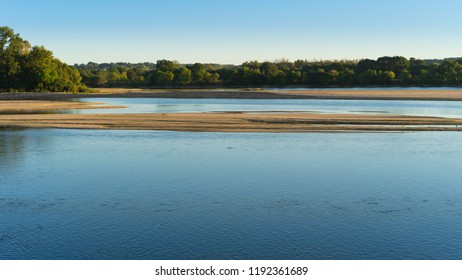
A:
[392,94]
[382,94]
[46,114]
[33,107]
[231,122]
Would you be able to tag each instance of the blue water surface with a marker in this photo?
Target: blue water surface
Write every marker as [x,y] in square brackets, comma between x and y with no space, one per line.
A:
[447,109]
[89,194]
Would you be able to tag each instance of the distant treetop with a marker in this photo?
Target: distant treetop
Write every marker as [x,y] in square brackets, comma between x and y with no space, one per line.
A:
[384,71]
[27,68]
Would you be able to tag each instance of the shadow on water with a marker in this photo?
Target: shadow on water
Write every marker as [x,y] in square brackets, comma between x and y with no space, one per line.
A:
[11,149]
[15,145]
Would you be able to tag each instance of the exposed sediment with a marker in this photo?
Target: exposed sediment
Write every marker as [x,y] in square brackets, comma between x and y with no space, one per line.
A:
[364,94]
[48,114]
[36,106]
[232,122]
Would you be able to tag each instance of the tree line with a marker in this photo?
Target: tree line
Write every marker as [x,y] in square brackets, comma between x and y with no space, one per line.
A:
[27,68]
[385,71]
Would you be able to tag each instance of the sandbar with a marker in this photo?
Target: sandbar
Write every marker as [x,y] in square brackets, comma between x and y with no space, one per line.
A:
[233,122]
[364,94]
[37,106]
[52,114]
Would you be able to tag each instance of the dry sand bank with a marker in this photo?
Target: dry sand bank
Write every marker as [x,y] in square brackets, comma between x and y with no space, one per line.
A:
[36,114]
[28,106]
[232,122]
[385,94]
[391,94]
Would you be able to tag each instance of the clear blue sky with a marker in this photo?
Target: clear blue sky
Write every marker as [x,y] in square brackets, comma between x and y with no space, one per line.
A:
[234,31]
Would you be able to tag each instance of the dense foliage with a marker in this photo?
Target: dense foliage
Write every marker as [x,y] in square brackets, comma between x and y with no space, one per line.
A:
[385,71]
[27,68]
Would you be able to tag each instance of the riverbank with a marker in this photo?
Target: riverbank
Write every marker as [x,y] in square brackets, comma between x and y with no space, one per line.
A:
[372,94]
[233,122]
[37,106]
[52,114]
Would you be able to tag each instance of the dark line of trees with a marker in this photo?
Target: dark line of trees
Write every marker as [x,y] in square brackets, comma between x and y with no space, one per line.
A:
[385,71]
[27,68]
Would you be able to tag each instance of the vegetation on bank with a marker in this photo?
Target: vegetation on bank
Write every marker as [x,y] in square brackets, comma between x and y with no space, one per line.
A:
[385,71]
[27,68]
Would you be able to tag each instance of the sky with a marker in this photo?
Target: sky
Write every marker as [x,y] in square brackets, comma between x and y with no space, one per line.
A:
[235,31]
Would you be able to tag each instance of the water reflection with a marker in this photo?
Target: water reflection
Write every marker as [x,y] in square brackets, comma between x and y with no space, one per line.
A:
[448,109]
[15,147]
[11,151]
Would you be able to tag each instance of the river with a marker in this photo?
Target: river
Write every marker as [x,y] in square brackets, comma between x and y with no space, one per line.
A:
[447,109]
[89,194]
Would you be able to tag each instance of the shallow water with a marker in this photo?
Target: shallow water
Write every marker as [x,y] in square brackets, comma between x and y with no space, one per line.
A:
[448,109]
[88,194]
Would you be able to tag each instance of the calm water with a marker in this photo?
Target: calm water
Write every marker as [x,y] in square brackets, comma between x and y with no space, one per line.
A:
[87,194]
[449,109]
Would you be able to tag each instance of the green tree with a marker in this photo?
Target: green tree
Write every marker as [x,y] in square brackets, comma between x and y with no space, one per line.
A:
[13,53]
[333,76]
[135,76]
[199,74]
[35,69]
[365,65]
[385,77]
[102,78]
[394,64]
[40,70]
[183,76]
[385,71]
[405,78]
[318,77]
[293,77]
[271,73]
[368,78]
[43,72]
[167,65]
[416,66]
[162,78]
